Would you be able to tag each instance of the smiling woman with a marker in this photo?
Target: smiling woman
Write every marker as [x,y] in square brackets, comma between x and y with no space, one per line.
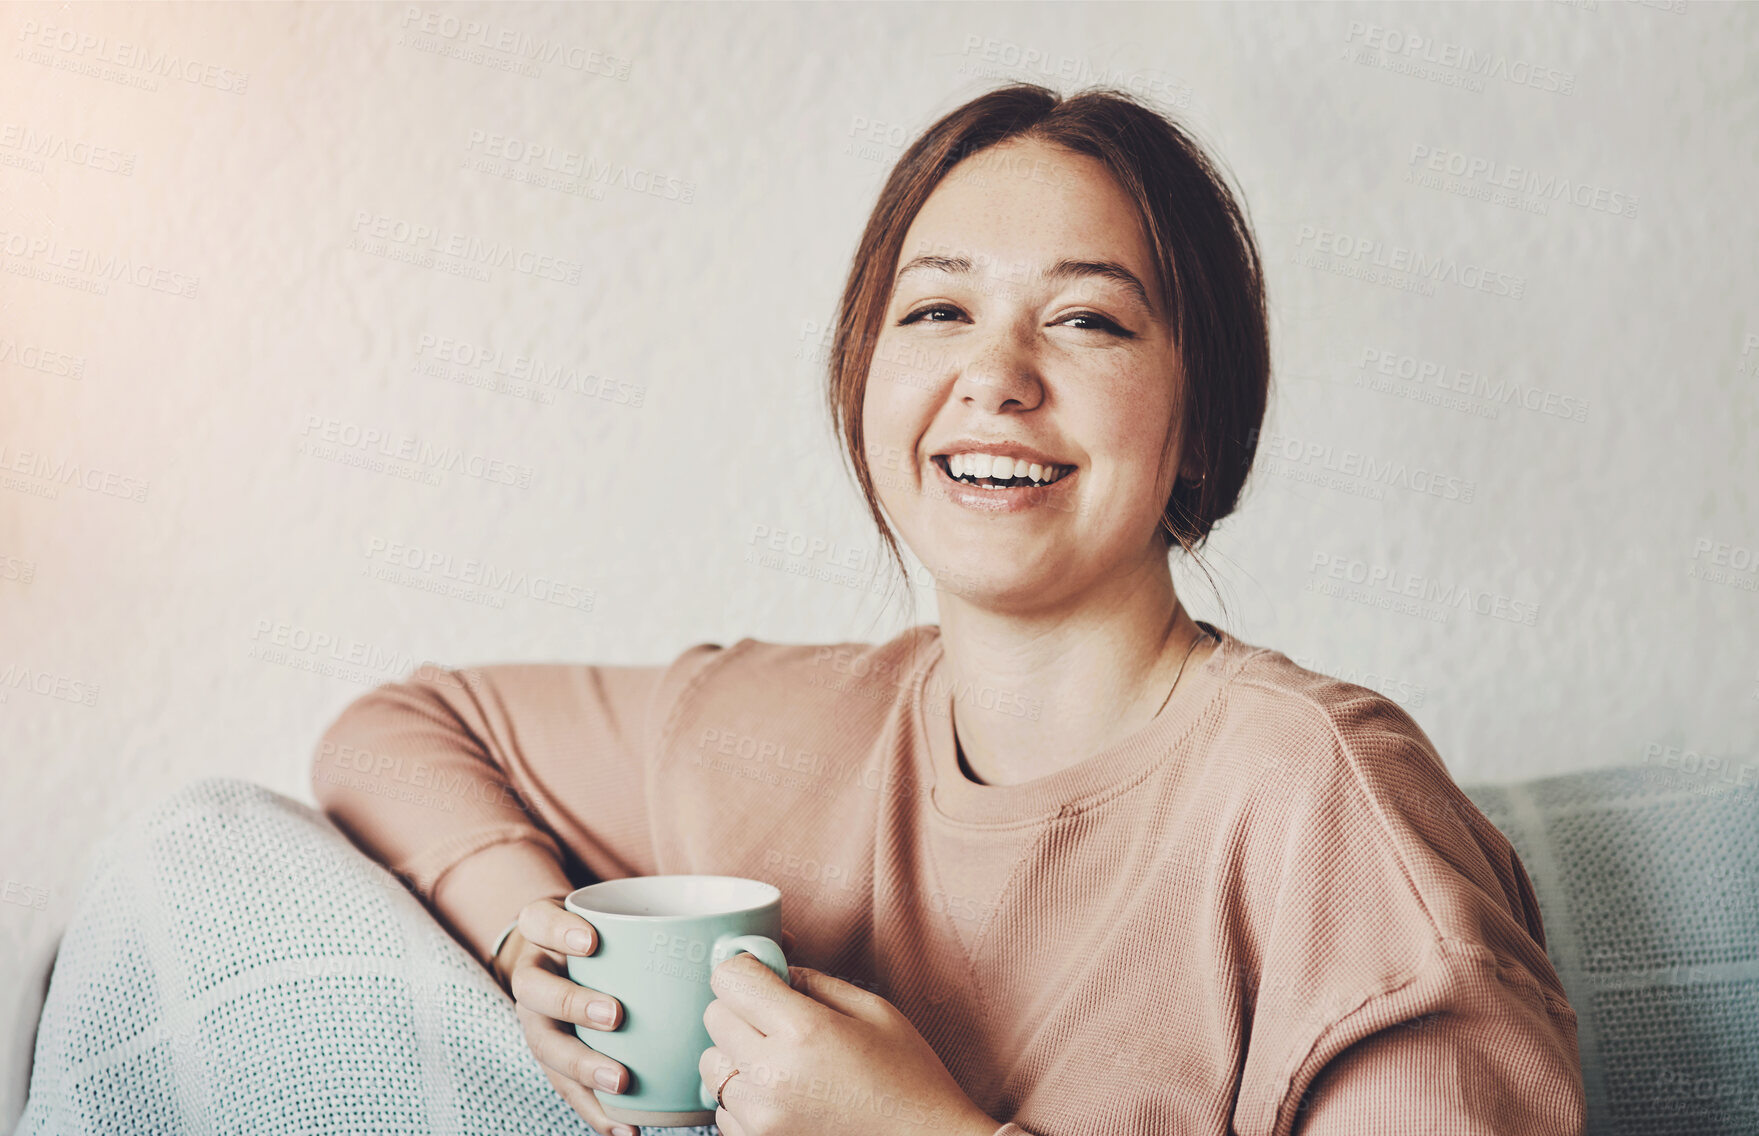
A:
[1070,858]
[1070,861]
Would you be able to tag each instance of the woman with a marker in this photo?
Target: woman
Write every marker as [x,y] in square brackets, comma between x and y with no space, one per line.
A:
[1071,861]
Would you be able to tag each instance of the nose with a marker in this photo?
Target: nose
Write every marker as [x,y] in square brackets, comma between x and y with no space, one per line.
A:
[1000,371]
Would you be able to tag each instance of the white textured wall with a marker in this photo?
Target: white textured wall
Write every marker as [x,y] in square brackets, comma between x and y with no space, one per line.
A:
[140,604]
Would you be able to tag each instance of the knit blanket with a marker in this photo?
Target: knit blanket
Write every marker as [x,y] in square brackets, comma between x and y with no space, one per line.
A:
[236,965]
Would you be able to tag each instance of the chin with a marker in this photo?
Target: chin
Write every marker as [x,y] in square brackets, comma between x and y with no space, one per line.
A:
[975,579]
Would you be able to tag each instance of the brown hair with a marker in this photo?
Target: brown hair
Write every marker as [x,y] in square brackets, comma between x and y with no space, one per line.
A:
[1208,272]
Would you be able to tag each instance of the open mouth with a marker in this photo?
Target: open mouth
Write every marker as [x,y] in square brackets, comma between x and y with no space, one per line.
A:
[981,470]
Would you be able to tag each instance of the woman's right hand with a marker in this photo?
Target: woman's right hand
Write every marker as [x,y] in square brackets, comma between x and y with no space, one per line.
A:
[533,967]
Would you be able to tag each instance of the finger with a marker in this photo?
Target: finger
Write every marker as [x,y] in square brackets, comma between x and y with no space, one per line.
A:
[556,1047]
[565,1000]
[730,1033]
[844,997]
[546,923]
[586,1103]
[787,943]
[758,995]
[712,1066]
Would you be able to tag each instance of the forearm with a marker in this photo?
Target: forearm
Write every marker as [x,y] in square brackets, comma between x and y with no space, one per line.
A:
[413,773]
[477,897]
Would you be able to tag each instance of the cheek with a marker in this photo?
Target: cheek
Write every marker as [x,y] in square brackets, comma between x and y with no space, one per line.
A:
[1136,426]
[894,418]
[1126,472]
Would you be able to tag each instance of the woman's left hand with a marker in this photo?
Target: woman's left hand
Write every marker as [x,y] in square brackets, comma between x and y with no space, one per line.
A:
[824,1055]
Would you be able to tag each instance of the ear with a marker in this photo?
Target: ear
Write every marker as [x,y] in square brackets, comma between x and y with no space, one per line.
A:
[1190,465]
[1190,469]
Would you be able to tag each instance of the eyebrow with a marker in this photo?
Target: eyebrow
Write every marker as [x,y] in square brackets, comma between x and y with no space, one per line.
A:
[1065,269]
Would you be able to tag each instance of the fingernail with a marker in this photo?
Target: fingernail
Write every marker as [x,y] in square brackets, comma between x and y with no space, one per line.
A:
[622,1130]
[579,941]
[601,1012]
[607,1078]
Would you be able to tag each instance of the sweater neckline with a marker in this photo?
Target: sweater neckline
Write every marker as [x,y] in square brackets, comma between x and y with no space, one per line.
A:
[1074,787]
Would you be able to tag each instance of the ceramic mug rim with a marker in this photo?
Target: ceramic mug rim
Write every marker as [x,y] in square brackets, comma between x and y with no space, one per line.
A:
[770,895]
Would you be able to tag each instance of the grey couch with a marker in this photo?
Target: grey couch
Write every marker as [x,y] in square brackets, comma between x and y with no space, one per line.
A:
[1648,882]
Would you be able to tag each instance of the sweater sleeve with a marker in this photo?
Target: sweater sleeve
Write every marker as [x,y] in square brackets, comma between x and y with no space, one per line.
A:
[1402,979]
[1477,1056]
[486,787]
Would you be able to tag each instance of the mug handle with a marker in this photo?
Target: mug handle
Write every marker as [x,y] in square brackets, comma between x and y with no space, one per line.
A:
[766,951]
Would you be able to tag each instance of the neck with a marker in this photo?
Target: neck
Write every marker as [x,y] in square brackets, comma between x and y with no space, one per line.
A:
[1094,674]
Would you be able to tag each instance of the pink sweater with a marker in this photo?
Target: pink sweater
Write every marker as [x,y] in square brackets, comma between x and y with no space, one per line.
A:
[1270,910]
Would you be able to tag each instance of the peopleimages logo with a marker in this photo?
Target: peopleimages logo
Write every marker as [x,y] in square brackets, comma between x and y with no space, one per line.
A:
[1721,563]
[1360,580]
[1276,447]
[1457,57]
[37,358]
[1399,258]
[48,684]
[1496,391]
[47,254]
[485,36]
[1397,689]
[574,168]
[375,232]
[1520,180]
[37,146]
[395,561]
[61,471]
[92,50]
[518,372]
[328,437]
[1003,57]
[1710,766]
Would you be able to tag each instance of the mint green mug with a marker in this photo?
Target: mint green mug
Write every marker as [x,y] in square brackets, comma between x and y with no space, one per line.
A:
[660,937]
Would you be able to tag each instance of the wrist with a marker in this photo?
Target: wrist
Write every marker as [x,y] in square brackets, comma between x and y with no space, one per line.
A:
[505,954]
[501,941]
[510,944]
[478,896]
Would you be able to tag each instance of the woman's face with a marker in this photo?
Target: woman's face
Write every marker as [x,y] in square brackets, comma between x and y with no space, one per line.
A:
[1014,326]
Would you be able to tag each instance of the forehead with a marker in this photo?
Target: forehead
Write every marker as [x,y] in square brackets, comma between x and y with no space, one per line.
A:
[1024,205]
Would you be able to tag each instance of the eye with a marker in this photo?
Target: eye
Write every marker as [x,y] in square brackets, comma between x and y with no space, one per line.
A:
[918,314]
[1102,324]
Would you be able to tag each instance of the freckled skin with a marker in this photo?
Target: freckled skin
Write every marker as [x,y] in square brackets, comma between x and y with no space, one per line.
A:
[1007,360]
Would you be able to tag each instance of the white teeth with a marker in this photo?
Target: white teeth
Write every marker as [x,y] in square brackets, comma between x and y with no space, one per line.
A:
[1001,468]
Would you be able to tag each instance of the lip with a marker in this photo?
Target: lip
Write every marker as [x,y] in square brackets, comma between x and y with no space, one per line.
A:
[994,501]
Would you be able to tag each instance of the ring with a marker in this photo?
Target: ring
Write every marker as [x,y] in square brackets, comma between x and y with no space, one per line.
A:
[718,1101]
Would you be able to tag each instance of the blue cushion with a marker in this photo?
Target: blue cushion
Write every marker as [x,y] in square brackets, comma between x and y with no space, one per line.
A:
[1648,882]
